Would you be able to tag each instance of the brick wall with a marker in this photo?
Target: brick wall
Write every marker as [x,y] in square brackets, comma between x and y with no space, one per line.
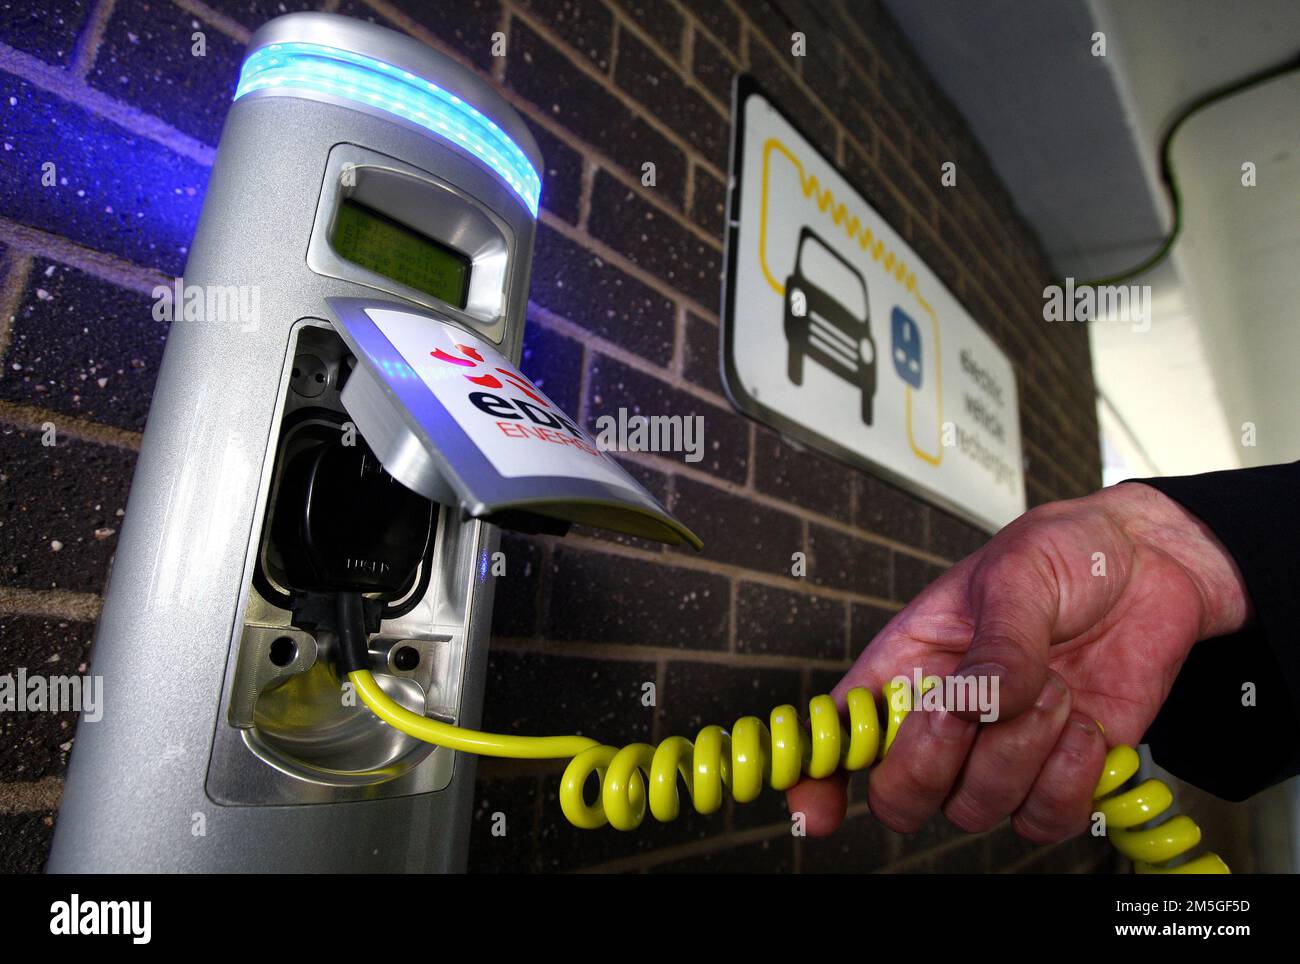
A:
[623,311]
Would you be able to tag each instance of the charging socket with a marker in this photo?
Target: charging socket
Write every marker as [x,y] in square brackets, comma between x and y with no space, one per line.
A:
[335,521]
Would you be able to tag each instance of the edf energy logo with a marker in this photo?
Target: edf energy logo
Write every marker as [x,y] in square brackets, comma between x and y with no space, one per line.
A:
[473,359]
[515,427]
[515,418]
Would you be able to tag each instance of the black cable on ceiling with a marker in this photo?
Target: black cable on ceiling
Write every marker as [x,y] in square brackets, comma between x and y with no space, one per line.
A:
[1167,175]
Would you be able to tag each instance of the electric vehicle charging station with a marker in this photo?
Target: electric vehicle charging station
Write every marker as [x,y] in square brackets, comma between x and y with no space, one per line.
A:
[361,436]
[294,637]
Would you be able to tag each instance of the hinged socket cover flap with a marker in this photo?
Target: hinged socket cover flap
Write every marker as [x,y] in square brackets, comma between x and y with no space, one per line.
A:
[450,417]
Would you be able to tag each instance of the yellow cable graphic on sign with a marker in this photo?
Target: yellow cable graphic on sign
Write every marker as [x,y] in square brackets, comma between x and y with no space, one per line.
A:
[893,265]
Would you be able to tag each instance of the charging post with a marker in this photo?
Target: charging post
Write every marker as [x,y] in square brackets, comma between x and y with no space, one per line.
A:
[324,482]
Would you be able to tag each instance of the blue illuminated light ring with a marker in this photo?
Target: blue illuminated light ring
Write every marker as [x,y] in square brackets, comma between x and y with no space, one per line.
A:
[374,84]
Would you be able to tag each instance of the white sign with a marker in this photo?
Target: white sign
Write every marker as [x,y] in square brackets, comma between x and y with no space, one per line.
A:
[836,333]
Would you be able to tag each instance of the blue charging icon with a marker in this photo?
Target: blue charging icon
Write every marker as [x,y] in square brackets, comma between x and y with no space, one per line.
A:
[905,347]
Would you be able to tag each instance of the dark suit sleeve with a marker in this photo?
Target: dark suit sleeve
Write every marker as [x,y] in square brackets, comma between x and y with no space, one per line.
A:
[1208,733]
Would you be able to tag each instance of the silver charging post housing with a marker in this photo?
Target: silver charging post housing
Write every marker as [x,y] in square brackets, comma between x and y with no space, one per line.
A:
[211,754]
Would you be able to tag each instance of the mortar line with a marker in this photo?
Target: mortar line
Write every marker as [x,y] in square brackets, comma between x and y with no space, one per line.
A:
[661,680]
[686,50]
[584,383]
[692,20]
[100,264]
[781,581]
[571,139]
[677,364]
[499,64]
[668,374]
[683,561]
[1038,853]
[856,29]
[11,297]
[634,653]
[32,418]
[604,162]
[782,59]
[606,253]
[938,850]
[90,37]
[688,194]
[733,624]
[679,61]
[651,196]
[74,90]
[586,186]
[723,105]
[77,607]
[742,42]
[751,457]
[544,30]
[579,62]
[698,848]
[848,630]
[36,796]
[227,25]
[615,33]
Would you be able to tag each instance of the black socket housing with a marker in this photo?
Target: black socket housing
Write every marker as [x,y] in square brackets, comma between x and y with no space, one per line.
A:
[342,523]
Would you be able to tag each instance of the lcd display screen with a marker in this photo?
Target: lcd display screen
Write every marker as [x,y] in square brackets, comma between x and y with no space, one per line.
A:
[387,247]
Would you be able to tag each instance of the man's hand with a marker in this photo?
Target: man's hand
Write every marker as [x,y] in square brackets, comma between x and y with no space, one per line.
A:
[1068,647]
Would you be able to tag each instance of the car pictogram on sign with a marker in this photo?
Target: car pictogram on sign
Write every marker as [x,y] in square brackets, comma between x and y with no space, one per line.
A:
[818,325]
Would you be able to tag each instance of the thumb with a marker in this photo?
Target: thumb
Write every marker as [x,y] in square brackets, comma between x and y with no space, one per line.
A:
[1014,600]
[822,802]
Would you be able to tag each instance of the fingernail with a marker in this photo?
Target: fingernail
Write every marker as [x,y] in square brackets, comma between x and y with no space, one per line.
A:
[1053,694]
[982,671]
[1079,736]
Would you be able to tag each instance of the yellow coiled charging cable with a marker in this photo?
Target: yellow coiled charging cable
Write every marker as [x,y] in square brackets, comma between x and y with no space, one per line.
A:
[777,754]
